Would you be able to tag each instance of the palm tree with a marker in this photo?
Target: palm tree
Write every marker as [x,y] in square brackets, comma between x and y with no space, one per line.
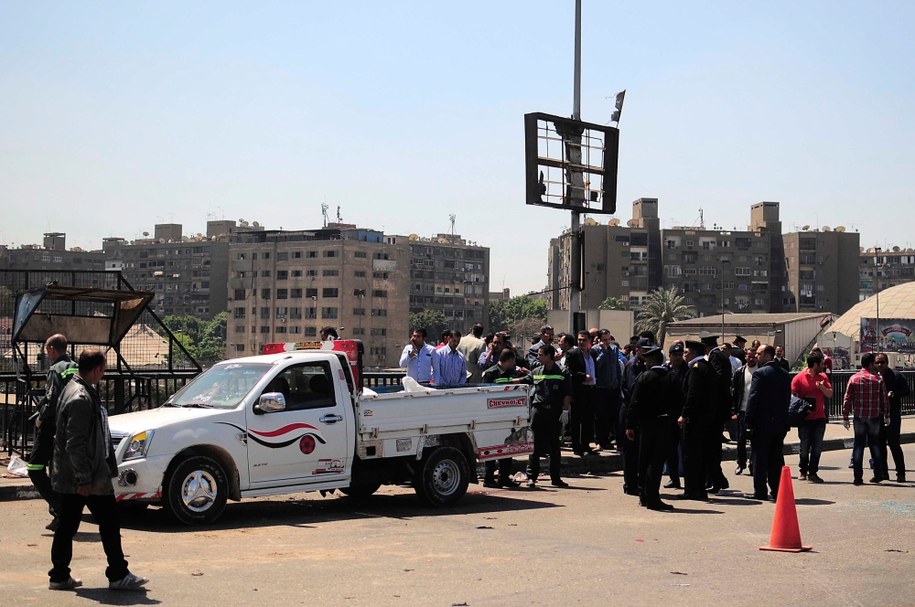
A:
[612,303]
[661,308]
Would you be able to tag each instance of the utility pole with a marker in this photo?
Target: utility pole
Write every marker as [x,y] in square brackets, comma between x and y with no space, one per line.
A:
[575,269]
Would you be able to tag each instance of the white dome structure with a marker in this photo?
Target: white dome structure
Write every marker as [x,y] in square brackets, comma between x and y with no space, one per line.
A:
[895,302]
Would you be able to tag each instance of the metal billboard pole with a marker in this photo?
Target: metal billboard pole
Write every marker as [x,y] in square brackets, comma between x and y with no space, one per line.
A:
[575,265]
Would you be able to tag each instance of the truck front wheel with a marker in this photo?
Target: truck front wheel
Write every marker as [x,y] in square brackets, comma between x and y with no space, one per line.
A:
[197,491]
[442,477]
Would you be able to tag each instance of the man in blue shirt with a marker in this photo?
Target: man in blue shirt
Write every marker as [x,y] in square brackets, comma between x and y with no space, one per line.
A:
[417,357]
[448,365]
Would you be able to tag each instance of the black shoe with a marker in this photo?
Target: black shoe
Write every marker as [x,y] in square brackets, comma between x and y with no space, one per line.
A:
[630,491]
[559,483]
[53,525]
[491,483]
[672,485]
[859,481]
[900,478]
[813,477]
[509,483]
[758,496]
[713,489]
[659,506]
[739,469]
[876,479]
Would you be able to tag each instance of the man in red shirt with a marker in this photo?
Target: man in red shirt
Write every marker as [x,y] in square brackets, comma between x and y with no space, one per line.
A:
[813,386]
[866,396]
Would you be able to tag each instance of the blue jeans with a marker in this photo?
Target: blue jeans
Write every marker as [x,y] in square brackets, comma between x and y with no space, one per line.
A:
[867,430]
[811,434]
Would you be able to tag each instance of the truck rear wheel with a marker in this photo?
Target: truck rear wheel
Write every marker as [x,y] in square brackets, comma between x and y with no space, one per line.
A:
[197,491]
[442,477]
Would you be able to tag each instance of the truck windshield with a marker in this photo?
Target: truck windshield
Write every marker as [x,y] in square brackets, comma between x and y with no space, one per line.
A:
[220,387]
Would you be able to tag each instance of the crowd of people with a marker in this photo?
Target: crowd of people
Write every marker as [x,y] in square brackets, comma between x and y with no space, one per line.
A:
[669,413]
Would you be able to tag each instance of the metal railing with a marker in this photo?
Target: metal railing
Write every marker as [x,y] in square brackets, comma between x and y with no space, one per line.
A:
[839,381]
[120,392]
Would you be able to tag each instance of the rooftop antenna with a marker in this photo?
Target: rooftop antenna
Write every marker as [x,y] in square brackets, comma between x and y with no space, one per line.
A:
[339,218]
[324,208]
[452,217]
[701,218]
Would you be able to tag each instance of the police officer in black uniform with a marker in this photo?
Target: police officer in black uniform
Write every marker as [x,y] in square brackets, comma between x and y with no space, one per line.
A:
[505,372]
[720,362]
[62,369]
[550,404]
[699,403]
[656,400]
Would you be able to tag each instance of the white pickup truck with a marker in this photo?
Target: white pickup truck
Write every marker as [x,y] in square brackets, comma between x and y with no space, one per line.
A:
[294,422]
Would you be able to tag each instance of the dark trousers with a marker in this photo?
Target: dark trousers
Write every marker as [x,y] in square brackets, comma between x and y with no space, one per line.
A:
[505,469]
[545,426]
[741,440]
[891,433]
[768,460]
[581,419]
[695,437]
[630,452]
[39,460]
[674,456]
[606,417]
[714,476]
[654,444]
[867,430]
[811,433]
[105,511]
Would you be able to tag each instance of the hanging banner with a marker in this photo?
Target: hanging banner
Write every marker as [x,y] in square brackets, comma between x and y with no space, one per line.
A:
[890,335]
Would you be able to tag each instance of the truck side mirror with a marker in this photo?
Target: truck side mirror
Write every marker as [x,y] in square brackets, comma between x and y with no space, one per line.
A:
[271,402]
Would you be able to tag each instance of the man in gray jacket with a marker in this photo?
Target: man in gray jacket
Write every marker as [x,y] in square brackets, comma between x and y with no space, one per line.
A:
[82,468]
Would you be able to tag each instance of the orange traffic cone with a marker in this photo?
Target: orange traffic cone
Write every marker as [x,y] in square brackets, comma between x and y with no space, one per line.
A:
[786,535]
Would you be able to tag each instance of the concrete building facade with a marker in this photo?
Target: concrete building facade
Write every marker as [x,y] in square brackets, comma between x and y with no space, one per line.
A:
[819,264]
[285,285]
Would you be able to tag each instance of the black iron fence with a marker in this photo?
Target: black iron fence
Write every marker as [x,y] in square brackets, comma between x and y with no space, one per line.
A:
[839,380]
[120,392]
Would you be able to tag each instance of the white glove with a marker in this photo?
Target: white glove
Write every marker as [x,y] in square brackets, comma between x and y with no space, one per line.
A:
[564,417]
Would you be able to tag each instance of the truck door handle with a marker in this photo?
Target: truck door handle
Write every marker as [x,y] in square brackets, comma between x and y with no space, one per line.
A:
[330,418]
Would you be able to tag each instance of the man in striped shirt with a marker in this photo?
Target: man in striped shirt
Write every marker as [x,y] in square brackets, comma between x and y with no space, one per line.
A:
[448,365]
[866,397]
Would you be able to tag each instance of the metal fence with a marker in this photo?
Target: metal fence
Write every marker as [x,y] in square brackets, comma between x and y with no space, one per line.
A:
[839,380]
[120,392]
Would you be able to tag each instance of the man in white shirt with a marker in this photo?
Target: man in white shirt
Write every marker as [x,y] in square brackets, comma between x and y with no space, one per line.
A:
[417,357]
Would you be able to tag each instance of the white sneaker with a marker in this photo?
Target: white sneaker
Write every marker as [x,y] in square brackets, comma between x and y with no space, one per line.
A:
[70,584]
[128,582]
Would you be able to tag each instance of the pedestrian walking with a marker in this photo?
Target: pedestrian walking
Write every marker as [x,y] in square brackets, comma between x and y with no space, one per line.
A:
[865,397]
[767,421]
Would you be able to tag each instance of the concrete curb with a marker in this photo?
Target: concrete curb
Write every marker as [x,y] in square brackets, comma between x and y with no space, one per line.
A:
[599,465]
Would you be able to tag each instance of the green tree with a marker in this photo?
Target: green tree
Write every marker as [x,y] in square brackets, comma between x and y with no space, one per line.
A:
[612,303]
[205,340]
[433,321]
[661,308]
[504,314]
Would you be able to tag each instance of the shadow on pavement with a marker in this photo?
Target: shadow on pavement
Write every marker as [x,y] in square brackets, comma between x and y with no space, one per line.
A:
[116,597]
[811,501]
[678,509]
[299,512]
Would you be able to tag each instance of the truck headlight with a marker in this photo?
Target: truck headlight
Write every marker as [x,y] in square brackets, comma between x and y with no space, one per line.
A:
[138,445]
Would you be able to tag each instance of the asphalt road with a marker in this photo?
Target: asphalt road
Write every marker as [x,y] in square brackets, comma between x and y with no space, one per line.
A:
[587,545]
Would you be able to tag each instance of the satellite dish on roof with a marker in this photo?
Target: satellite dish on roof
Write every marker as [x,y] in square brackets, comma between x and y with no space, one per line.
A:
[613,222]
[632,223]
[895,249]
[590,221]
[825,229]
[840,229]
[145,234]
[256,224]
[805,228]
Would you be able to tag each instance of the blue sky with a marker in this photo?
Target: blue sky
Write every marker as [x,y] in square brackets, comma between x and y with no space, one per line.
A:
[118,116]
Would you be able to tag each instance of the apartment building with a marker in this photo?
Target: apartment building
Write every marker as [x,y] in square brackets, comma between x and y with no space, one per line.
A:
[188,273]
[285,285]
[882,268]
[819,265]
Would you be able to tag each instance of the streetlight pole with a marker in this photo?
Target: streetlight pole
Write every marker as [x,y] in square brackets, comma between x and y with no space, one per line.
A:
[575,260]
[877,297]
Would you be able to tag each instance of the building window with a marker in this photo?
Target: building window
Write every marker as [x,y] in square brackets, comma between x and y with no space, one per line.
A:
[328,312]
[265,313]
[381,275]
[239,294]
[295,293]
[310,313]
[329,253]
[297,255]
[379,293]
[284,256]
[330,273]
[330,292]
[265,293]
[311,293]
[282,274]
[282,293]
[379,312]
[311,273]
[239,313]
[379,332]
[358,311]
[239,328]
[311,331]
[359,274]
[358,331]
[265,273]
[265,329]
[360,255]
[312,254]
[297,273]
